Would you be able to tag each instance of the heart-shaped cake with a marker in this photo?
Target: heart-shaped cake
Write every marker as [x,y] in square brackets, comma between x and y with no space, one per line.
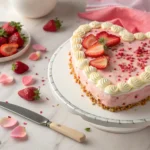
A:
[111,64]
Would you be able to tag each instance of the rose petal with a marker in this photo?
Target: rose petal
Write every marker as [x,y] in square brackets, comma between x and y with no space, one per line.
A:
[27,80]
[39,47]
[19,132]
[8,122]
[5,79]
[35,56]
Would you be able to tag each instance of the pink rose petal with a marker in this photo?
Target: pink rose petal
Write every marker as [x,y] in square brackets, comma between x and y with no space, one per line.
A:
[27,80]
[19,132]
[8,122]
[35,56]
[5,79]
[39,47]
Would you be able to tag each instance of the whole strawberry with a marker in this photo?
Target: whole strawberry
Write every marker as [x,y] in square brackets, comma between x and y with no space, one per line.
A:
[29,94]
[52,25]
[12,27]
[19,67]
[17,39]
[3,37]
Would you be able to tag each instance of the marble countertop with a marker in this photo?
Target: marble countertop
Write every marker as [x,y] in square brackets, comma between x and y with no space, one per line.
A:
[41,138]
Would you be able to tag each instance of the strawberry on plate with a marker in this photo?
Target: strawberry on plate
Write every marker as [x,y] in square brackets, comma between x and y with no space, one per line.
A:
[8,49]
[19,67]
[17,38]
[12,27]
[29,94]
[100,62]
[3,37]
[89,41]
[95,50]
[108,39]
[52,25]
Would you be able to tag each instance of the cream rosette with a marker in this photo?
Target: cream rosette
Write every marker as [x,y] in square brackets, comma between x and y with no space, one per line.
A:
[88,70]
[95,24]
[127,36]
[106,25]
[102,83]
[124,87]
[111,89]
[147,69]
[145,77]
[94,77]
[116,28]
[81,63]
[135,82]
[139,36]
[147,35]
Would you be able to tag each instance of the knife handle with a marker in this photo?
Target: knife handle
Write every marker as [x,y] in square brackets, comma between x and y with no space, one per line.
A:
[71,133]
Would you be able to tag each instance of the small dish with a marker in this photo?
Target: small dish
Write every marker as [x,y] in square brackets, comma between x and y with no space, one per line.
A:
[21,50]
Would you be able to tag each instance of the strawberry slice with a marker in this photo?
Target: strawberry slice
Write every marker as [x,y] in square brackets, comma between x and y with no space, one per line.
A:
[100,63]
[95,50]
[8,49]
[112,40]
[108,39]
[89,41]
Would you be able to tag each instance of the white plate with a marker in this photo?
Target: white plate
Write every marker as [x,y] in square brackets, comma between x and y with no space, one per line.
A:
[22,50]
[66,90]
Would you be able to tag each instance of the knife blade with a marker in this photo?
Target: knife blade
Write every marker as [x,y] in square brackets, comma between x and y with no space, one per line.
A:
[39,119]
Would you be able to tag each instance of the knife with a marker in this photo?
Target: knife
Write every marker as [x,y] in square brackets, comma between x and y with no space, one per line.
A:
[39,119]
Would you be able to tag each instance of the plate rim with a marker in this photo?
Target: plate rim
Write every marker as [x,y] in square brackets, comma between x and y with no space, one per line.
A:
[78,110]
[9,58]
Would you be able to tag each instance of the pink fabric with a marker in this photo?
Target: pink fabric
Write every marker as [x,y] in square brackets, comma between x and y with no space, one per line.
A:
[132,19]
[143,5]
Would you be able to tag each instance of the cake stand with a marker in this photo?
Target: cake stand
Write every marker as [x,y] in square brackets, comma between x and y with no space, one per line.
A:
[69,93]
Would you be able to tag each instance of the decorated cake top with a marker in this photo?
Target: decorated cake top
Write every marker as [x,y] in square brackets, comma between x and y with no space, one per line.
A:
[114,59]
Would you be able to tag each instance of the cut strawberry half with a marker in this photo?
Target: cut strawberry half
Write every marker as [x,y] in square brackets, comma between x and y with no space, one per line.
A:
[108,39]
[89,41]
[8,49]
[100,63]
[95,50]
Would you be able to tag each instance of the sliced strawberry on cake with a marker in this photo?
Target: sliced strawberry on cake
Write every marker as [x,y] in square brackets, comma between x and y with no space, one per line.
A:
[89,41]
[95,50]
[108,39]
[100,62]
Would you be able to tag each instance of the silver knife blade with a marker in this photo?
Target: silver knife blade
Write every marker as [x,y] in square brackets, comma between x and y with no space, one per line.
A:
[26,113]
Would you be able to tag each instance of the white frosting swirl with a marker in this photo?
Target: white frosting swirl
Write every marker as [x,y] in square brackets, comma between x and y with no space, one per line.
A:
[94,77]
[145,77]
[79,54]
[106,25]
[81,63]
[116,28]
[140,36]
[78,33]
[147,69]
[111,89]
[102,83]
[148,35]
[76,47]
[124,87]
[135,82]
[76,40]
[122,32]
[95,24]
[127,36]
[88,70]
[85,28]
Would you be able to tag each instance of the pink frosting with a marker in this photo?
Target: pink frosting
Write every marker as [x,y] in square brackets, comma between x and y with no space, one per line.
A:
[134,56]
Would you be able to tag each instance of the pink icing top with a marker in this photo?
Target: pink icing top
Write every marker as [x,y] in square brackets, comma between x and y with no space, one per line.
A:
[126,59]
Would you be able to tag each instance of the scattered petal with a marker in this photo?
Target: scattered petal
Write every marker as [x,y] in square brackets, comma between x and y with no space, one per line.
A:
[27,80]
[35,56]
[39,47]
[8,122]
[5,79]
[19,132]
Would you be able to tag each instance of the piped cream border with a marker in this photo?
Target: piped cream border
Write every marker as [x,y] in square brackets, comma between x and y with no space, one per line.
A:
[133,83]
